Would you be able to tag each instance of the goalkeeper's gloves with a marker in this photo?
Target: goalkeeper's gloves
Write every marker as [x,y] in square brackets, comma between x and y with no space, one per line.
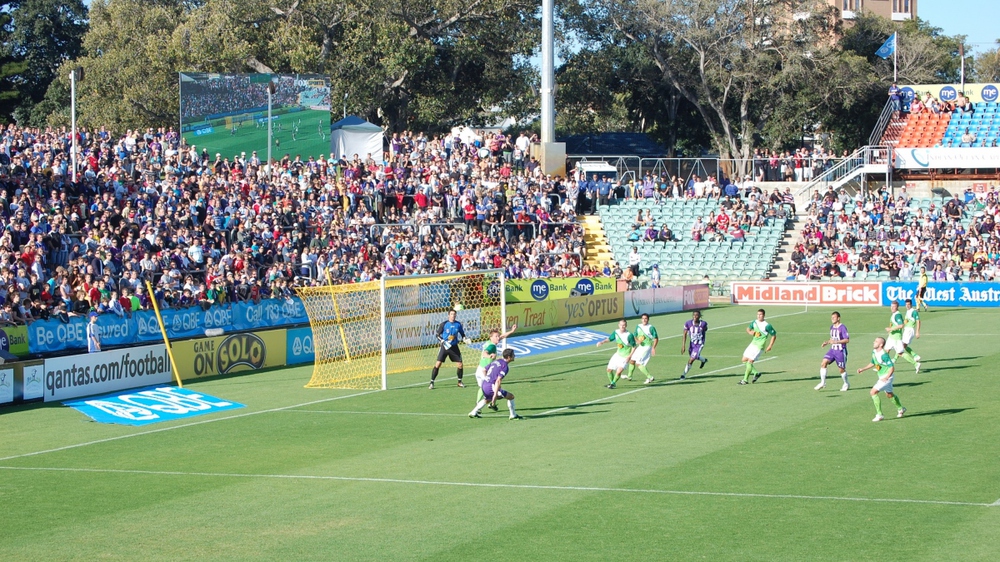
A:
[467,341]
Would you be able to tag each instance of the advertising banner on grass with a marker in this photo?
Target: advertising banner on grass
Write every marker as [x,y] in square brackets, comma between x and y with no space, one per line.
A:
[594,308]
[819,294]
[978,295]
[151,405]
[48,336]
[105,371]
[535,290]
[222,355]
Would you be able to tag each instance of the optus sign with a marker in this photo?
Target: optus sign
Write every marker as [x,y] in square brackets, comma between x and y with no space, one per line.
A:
[229,354]
[593,308]
[831,294]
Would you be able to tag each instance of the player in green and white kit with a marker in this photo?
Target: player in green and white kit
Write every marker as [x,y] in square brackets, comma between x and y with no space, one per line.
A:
[911,329]
[489,355]
[626,344]
[895,340]
[760,329]
[886,369]
[646,338]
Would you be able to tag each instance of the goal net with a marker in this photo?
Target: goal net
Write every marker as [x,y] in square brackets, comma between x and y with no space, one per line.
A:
[363,332]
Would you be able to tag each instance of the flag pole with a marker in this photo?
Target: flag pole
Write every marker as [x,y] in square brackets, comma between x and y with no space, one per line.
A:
[895,56]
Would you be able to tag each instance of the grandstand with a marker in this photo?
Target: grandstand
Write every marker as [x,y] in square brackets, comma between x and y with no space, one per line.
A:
[685,260]
[927,129]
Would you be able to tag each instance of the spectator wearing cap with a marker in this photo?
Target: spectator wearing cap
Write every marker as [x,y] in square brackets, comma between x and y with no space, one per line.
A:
[654,276]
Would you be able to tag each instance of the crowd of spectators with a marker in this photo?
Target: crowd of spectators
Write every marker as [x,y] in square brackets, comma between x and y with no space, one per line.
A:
[848,238]
[210,231]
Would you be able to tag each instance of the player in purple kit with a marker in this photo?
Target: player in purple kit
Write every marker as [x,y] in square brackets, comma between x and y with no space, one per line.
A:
[491,386]
[837,353]
[696,328]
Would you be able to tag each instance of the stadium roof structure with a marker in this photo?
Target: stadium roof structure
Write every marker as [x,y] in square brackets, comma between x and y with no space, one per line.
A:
[638,144]
[355,123]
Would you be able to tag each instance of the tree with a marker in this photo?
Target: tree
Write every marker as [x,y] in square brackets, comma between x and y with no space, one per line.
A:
[987,65]
[38,36]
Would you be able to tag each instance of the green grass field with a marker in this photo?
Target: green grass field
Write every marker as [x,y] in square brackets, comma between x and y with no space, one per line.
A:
[696,470]
[249,138]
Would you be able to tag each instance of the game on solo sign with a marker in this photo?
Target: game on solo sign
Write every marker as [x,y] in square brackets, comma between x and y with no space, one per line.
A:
[850,294]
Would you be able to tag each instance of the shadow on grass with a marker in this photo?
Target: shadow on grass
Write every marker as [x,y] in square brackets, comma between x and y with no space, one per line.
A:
[944,412]
[914,383]
[952,359]
[573,407]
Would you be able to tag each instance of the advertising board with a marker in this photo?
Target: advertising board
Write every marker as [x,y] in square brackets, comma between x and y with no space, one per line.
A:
[819,294]
[594,308]
[653,301]
[299,346]
[34,387]
[978,295]
[6,386]
[222,355]
[106,371]
[536,290]
[531,317]
[696,297]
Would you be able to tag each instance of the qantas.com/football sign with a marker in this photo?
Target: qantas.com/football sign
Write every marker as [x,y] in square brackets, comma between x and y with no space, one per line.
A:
[851,294]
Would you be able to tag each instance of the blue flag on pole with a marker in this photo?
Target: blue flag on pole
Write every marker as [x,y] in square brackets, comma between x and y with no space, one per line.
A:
[887,48]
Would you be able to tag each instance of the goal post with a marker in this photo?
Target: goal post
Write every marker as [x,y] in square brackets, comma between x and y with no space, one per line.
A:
[363,332]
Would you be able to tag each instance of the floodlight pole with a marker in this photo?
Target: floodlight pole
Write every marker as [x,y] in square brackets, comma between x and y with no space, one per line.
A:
[72,111]
[270,93]
[548,72]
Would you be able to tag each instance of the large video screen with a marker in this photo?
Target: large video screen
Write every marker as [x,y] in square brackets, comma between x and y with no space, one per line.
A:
[226,114]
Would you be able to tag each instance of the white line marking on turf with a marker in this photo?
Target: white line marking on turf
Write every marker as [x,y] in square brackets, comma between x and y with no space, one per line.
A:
[310,403]
[494,485]
[613,396]
[995,504]
[371,413]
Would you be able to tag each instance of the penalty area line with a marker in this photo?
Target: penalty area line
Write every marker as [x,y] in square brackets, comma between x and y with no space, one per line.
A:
[495,485]
[640,389]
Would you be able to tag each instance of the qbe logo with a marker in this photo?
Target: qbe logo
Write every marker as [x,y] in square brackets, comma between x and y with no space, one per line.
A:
[539,290]
[948,93]
[585,287]
[990,93]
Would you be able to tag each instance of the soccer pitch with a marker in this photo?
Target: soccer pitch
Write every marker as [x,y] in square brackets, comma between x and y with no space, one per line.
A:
[249,138]
[701,469]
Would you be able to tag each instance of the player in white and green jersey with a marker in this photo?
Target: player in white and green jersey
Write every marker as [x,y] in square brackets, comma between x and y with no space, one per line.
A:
[886,369]
[911,329]
[646,339]
[761,330]
[489,355]
[626,344]
[895,340]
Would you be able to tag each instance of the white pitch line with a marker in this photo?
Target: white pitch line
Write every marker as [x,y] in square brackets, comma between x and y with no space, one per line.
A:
[283,408]
[995,504]
[370,413]
[613,396]
[495,485]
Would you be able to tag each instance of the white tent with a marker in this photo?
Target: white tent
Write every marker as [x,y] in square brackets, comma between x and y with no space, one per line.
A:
[353,135]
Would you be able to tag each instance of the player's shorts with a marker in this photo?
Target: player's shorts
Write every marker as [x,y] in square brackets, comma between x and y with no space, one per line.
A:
[488,391]
[752,352]
[838,356]
[884,386]
[480,375]
[908,334]
[921,292]
[617,362]
[452,353]
[896,344]
[642,354]
[694,350]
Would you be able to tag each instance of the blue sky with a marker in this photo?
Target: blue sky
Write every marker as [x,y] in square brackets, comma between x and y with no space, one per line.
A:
[978,20]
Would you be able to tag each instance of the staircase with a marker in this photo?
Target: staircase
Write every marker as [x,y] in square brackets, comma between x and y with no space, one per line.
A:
[792,237]
[867,160]
[598,249]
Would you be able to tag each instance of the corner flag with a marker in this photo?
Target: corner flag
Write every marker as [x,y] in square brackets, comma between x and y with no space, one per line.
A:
[887,48]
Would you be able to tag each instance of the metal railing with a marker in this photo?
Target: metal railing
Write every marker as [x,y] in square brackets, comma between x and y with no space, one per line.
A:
[864,156]
[883,123]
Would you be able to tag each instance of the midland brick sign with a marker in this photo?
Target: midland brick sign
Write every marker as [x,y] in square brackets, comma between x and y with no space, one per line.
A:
[817,294]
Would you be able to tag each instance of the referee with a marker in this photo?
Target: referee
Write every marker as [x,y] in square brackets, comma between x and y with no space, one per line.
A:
[448,334]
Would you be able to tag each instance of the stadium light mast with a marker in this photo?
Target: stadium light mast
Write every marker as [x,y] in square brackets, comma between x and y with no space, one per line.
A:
[74,75]
[270,94]
[551,154]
